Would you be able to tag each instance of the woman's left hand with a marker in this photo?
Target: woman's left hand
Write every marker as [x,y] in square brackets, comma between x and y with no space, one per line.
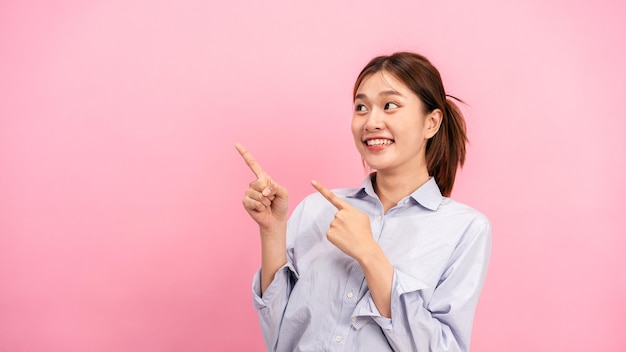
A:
[351,230]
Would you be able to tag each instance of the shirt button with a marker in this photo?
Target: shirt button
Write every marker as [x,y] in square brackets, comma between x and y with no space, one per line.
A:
[378,218]
[406,201]
[338,338]
[350,294]
[353,319]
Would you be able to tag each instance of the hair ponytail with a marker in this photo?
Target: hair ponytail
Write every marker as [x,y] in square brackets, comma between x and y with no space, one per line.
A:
[445,151]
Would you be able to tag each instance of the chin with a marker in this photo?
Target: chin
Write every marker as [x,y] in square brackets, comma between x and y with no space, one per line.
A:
[375,166]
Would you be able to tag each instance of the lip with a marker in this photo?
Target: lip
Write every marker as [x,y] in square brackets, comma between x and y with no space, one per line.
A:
[379,147]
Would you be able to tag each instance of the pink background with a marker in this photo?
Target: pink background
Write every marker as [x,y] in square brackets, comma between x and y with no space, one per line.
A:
[121,225]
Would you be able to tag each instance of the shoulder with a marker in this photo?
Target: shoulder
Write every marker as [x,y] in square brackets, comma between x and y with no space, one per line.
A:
[468,229]
[463,214]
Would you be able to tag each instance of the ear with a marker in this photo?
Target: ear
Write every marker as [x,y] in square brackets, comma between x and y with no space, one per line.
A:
[432,123]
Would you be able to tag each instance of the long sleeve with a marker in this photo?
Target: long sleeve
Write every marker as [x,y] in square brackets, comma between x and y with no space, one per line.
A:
[271,305]
[441,320]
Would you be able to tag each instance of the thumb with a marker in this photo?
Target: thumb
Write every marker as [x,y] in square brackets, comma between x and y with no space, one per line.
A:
[275,190]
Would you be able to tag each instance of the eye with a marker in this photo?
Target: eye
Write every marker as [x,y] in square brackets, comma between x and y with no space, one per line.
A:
[360,108]
[390,105]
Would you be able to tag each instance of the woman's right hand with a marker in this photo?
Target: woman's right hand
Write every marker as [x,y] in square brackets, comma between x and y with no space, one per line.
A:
[265,200]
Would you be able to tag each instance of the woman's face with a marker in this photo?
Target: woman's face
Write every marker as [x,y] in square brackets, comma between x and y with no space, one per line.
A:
[389,125]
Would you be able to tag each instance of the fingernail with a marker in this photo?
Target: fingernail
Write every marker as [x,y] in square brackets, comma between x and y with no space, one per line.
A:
[266,192]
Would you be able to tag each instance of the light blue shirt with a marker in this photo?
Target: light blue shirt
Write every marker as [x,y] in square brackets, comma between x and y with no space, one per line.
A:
[319,300]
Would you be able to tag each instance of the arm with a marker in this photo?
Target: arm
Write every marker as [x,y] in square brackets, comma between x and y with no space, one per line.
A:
[272,302]
[443,321]
[267,202]
[379,276]
[273,253]
[351,232]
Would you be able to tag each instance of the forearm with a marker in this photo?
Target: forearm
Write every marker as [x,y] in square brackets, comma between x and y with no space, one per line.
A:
[273,253]
[379,276]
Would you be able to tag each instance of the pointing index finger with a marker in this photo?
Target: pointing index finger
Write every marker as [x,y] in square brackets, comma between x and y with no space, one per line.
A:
[247,157]
[330,196]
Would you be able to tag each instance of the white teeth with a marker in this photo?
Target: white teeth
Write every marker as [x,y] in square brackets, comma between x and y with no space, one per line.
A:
[378,141]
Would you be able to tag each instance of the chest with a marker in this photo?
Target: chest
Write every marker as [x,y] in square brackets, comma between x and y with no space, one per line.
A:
[419,246]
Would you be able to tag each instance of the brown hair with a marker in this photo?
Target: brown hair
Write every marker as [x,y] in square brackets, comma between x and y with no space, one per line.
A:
[445,151]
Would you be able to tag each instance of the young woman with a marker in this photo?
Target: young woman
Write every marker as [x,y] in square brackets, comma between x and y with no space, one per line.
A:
[393,265]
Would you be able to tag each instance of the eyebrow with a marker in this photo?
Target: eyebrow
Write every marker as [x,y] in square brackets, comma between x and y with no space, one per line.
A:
[383,93]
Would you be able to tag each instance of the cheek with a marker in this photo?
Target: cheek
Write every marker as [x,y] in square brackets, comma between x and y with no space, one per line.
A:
[357,127]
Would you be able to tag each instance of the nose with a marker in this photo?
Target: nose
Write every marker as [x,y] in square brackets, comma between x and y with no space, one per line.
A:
[374,121]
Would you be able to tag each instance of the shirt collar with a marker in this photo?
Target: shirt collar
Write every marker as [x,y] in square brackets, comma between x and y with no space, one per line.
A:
[428,195]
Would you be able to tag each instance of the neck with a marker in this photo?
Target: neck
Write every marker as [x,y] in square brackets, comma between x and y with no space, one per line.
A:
[391,188]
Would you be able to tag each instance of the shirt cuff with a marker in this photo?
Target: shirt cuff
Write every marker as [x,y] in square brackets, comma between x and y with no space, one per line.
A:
[282,281]
[366,308]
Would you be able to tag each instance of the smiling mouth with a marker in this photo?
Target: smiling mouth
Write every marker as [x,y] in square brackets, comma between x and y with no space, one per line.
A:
[378,142]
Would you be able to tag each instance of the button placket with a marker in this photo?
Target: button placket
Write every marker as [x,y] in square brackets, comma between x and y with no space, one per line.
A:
[350,297]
